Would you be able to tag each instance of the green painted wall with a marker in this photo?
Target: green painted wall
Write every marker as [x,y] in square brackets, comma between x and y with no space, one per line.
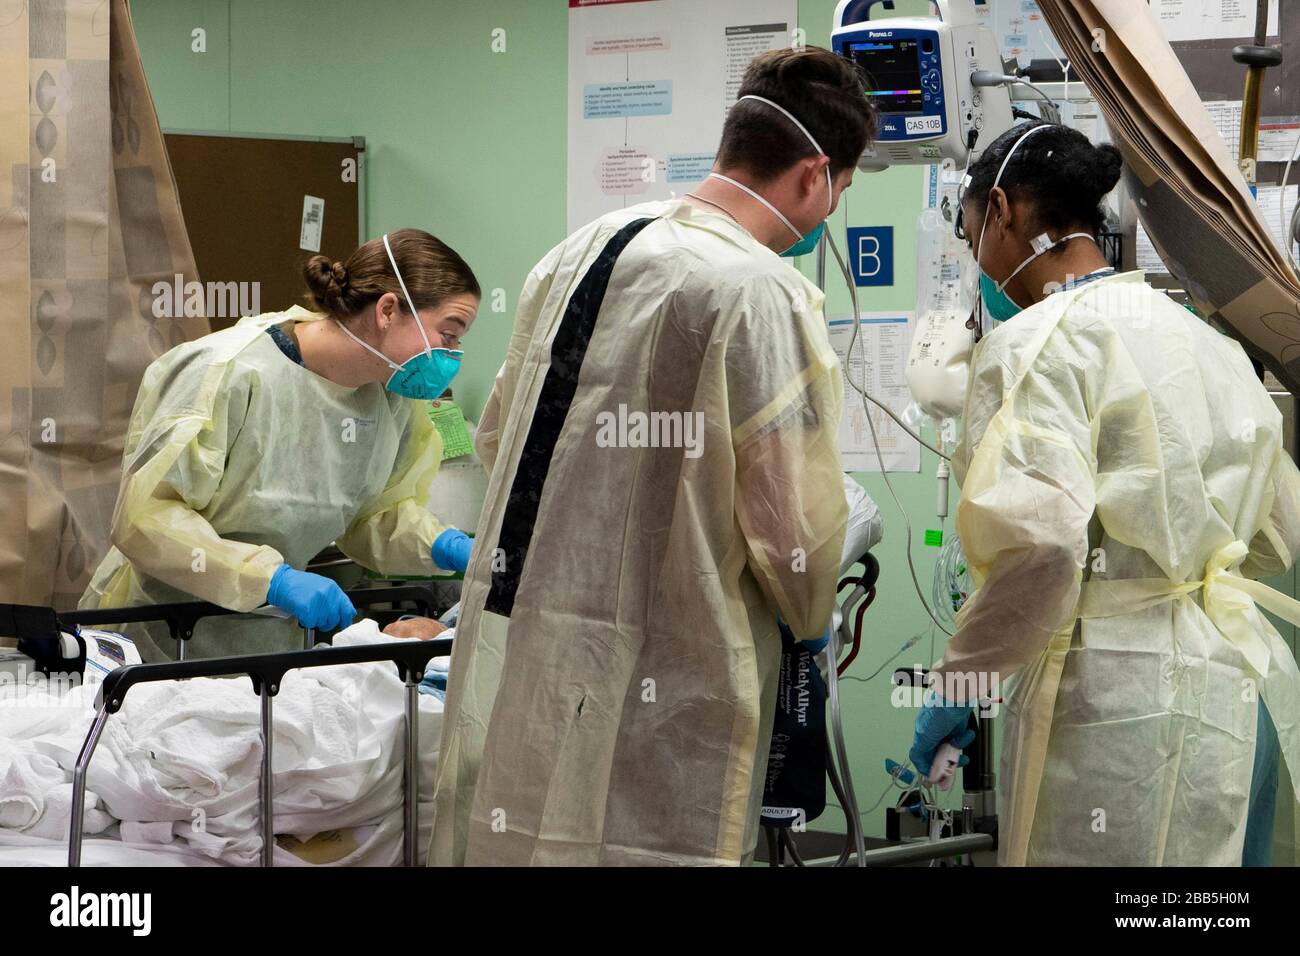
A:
[470,144]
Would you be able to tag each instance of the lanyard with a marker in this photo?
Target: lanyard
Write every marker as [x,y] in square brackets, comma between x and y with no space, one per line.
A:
[1090,277]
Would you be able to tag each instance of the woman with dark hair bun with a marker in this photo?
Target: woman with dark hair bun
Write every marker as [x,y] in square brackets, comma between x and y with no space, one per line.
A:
[1123,488]
[252,449]
[1063,178]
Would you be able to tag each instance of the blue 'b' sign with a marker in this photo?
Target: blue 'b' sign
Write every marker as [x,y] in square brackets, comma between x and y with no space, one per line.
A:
[871,255]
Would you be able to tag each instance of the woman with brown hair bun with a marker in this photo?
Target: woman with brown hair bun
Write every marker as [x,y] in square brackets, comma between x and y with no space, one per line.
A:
[253,448]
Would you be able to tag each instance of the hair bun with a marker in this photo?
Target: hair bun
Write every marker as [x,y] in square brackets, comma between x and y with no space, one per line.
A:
[433,272]
[327,282]
[1107,167]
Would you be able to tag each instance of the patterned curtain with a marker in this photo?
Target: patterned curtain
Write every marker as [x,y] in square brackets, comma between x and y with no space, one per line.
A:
[89,221]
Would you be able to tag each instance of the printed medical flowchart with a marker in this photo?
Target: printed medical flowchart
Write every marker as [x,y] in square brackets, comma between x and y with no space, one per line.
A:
[1021,29]
[878,357]
[648,95]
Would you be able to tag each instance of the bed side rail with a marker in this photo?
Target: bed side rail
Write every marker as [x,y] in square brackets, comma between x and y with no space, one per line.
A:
[181,618]
[267,671]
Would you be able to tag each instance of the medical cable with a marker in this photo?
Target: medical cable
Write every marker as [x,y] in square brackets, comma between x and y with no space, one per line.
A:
[838,788]
[894,784]
[861,389]
[952,583]
[837,759]
[987,78]
[901,424]
[788,843]
[841,749]
[875,440]
[907,645]
[839,753]
[773,853]
[852,815]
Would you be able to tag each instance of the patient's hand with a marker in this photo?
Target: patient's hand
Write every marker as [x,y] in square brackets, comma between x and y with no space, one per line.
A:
[420,628]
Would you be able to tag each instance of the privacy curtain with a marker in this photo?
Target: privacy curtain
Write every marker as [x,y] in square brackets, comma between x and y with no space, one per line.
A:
[89,221]
[1189,193]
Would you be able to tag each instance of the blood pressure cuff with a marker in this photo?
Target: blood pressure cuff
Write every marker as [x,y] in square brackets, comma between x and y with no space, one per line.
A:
[794,791]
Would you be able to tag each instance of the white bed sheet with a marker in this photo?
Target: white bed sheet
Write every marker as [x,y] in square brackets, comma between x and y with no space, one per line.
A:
[174,780]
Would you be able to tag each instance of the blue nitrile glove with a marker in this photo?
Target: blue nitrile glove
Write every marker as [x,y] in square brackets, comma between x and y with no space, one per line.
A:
[937,722]
[314,600]
[451,550]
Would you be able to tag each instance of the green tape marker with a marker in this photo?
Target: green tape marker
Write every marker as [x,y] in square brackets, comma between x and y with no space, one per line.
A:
[450,422]
[933,538]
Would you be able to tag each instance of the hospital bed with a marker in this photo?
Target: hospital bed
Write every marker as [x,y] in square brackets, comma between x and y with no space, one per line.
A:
[43,633]
[268,672]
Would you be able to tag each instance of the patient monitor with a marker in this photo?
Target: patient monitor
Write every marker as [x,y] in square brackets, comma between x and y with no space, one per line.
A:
[918,74]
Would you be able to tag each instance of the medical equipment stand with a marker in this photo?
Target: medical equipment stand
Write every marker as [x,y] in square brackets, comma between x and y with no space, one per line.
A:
[1257,58]
[977,826]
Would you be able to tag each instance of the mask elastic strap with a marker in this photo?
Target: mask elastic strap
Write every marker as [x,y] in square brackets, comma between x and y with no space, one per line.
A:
[415,313]
[428,350]
[1041,245]
[803,129]
[1012,151]
[996,181]
[772,209]
[790,116]
[369,348]
[809,136]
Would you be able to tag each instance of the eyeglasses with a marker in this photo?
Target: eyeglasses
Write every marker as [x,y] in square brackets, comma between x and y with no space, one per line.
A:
[959,218]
